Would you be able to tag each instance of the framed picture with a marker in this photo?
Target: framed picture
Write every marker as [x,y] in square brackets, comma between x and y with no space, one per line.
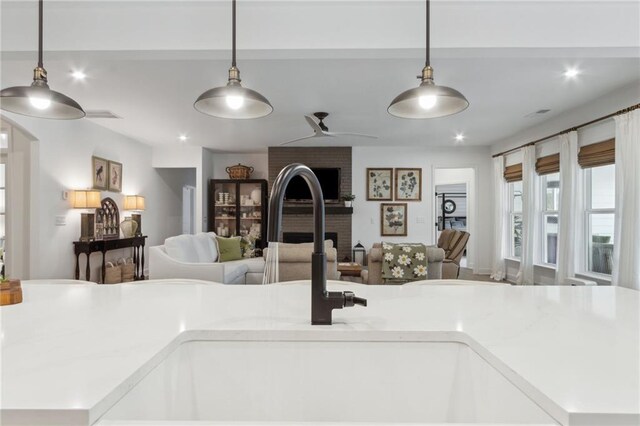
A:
[115,176]
[393,219]
[379,184]
[100,172]
[409,184]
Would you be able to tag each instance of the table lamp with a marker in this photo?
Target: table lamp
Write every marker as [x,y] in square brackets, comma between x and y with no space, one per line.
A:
[135,203]
[86,199]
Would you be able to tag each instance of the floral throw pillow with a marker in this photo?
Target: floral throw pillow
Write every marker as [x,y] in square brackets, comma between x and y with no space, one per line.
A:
[402,262]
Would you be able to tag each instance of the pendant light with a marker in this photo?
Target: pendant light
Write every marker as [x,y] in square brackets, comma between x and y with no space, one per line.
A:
[38,100]
[428,100]
[233,100]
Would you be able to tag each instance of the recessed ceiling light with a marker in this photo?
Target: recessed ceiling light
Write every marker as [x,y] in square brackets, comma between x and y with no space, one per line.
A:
[460,137]
[78,75]
[183,138]
[572,72]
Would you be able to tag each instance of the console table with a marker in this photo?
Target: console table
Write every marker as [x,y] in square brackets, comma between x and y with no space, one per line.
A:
[103,246]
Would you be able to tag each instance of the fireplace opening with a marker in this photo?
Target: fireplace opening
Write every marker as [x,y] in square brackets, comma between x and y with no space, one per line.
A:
[307,237]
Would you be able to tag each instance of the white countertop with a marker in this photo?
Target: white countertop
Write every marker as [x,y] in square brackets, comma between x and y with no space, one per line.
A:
[69,351]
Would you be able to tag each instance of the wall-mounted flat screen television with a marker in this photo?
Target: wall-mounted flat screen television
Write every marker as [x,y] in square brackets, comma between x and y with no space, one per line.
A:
[329,182]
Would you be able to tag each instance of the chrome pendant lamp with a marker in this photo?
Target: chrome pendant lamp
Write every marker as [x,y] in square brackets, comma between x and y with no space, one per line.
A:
[38,100]
[428,100]
[233,100]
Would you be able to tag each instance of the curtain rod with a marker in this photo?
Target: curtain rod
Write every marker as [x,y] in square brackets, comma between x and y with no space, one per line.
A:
[588,123]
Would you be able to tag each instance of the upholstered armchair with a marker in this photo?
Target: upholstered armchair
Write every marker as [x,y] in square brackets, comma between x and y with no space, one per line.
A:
[373,273]
[294,261]
[453,242]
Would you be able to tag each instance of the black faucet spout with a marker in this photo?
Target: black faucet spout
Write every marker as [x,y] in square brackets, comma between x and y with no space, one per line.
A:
[323,302]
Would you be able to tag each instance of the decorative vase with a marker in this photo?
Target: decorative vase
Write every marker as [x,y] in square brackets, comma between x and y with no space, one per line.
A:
[128,227]
[348,203]
[256,196]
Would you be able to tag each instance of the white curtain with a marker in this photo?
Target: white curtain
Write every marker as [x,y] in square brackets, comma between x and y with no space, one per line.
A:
[626,241]
[500,220]
[530,216]
[570,212]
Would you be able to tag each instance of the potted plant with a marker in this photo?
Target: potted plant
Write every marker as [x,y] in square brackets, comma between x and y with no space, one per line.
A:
[348,199]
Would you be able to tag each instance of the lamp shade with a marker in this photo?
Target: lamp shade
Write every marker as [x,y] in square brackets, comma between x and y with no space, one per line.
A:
[428,101]
[86,199]
[233,101]
[40,102]
[134,202]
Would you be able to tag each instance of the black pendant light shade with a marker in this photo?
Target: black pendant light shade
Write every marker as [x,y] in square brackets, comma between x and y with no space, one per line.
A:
[428,100]
[38,100]
[233,100]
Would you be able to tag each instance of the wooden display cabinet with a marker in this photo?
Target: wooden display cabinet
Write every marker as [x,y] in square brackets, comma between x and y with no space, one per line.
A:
[238,207]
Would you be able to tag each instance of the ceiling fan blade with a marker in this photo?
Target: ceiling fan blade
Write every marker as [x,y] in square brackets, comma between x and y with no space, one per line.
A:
[298,139]
[361,135]
[316,128]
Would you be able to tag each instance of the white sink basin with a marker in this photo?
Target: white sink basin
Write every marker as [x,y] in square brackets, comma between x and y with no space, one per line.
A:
[206,382]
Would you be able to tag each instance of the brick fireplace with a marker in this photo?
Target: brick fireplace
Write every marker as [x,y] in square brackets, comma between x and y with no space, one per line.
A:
[300,220]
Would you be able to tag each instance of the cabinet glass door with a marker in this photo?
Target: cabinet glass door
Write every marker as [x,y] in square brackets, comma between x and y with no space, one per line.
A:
[225,209]
[250,204]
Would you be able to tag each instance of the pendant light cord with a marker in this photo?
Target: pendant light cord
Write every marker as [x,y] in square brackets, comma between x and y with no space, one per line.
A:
[233,30]
[428,52]
[40,7]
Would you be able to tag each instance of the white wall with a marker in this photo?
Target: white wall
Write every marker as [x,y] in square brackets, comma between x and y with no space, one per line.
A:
[64,162]
[421,215]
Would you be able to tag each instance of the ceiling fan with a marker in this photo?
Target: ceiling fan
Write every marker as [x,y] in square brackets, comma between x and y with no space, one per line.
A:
[320,130]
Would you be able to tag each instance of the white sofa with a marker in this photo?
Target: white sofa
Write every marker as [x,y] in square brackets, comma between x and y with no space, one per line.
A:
[196,257]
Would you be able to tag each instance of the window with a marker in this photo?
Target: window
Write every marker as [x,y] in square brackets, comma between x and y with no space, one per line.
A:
[515,210]
[600,202]
[550,205]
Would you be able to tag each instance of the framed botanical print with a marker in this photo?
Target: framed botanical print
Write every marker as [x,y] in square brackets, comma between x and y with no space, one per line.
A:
[379,184]
[100,172]
[115,176]
[393,219]
[409,184]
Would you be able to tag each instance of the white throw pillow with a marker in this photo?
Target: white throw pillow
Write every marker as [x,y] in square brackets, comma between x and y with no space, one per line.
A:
[182,248]
[205,247]
[216,252]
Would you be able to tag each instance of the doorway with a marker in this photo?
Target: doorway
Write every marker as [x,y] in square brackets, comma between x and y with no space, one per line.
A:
[454,206]
[17,151]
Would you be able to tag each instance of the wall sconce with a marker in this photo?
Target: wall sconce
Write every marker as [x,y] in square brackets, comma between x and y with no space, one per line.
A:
[135,203]
[86,199]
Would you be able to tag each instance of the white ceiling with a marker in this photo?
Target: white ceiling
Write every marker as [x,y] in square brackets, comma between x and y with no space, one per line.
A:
[148,61]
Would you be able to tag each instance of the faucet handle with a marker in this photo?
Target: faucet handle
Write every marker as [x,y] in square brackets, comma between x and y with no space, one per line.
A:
[350,299]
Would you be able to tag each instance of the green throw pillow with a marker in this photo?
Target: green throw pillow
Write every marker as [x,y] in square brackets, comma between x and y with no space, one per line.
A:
[229,249]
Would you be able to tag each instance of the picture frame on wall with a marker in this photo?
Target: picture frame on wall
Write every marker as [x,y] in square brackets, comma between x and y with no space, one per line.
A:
[379,184]
[100,173]
[393,219]
[408,184]
[115,176]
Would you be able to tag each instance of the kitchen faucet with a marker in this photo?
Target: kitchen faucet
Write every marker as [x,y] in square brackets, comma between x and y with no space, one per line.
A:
[322,301]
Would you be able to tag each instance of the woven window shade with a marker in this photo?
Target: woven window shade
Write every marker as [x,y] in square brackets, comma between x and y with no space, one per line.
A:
[513,173]
[547,165]
[598,154]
